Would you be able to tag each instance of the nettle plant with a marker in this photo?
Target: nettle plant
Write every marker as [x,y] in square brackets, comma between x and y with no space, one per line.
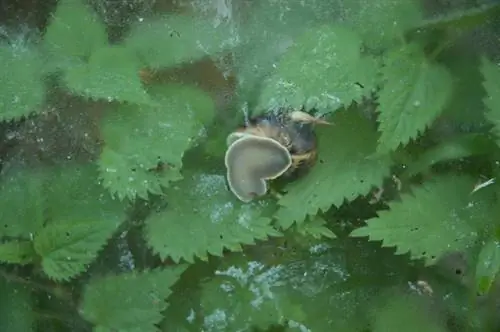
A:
[116,214]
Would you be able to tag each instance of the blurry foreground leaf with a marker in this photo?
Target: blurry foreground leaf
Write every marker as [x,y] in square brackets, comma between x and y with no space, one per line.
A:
[438,217]
[22,204]
[129,302]
[162,42]
[488,266]
[16,308]
[491,74]
[346,169]
[17,252]
[74,30]
[324,69]
[111,74]
[203,217]
[244,292]
[382,23]
[22,88]
[144,145]
[412,311]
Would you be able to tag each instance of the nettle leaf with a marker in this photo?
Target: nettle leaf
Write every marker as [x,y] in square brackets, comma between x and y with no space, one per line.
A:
[347,168]
[454,148]
[491,74]
[203,217]
[74,31]
[82,217]
[144,145]
[315,227]
[166,41]
[112,74]
[415,93]
[488,266]
[22,203]
[324,69]
[129,302]
[17,252]
[23,90]
[440,216]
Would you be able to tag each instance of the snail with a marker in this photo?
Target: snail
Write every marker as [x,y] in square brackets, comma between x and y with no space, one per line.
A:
[267,147]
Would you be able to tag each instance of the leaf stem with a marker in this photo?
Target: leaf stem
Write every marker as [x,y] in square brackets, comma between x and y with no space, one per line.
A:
[57,292]
[444,45]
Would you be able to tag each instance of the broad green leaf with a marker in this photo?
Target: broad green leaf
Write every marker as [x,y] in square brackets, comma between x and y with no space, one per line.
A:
[491,74]
[414,94]
[68,248]
[82,217]
[22,203]
[162,42]
[488,266]
[139,139]
[440,216]
[112,74]
[346,169]
[129,302]
[412,311]
[23,90]
[324,69]
[16,307]
[74,30]
[17,252]
[203,217]
[382,23]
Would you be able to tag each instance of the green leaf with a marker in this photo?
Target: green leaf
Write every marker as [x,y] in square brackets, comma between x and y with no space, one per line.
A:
[488,266]
[112,74]
[415,92]
[129,302]
[74,31]
[22,203]
[324,69]
[140,138]
[203,217]
[162,42]
[315,227]
[82,217]
[68,248]
[17,252]
[16,307]
[347,168]
[440,216]
[455,148]
[23,90]
[491,74]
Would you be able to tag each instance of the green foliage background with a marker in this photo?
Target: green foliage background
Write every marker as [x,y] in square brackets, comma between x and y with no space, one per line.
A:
[115,214]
